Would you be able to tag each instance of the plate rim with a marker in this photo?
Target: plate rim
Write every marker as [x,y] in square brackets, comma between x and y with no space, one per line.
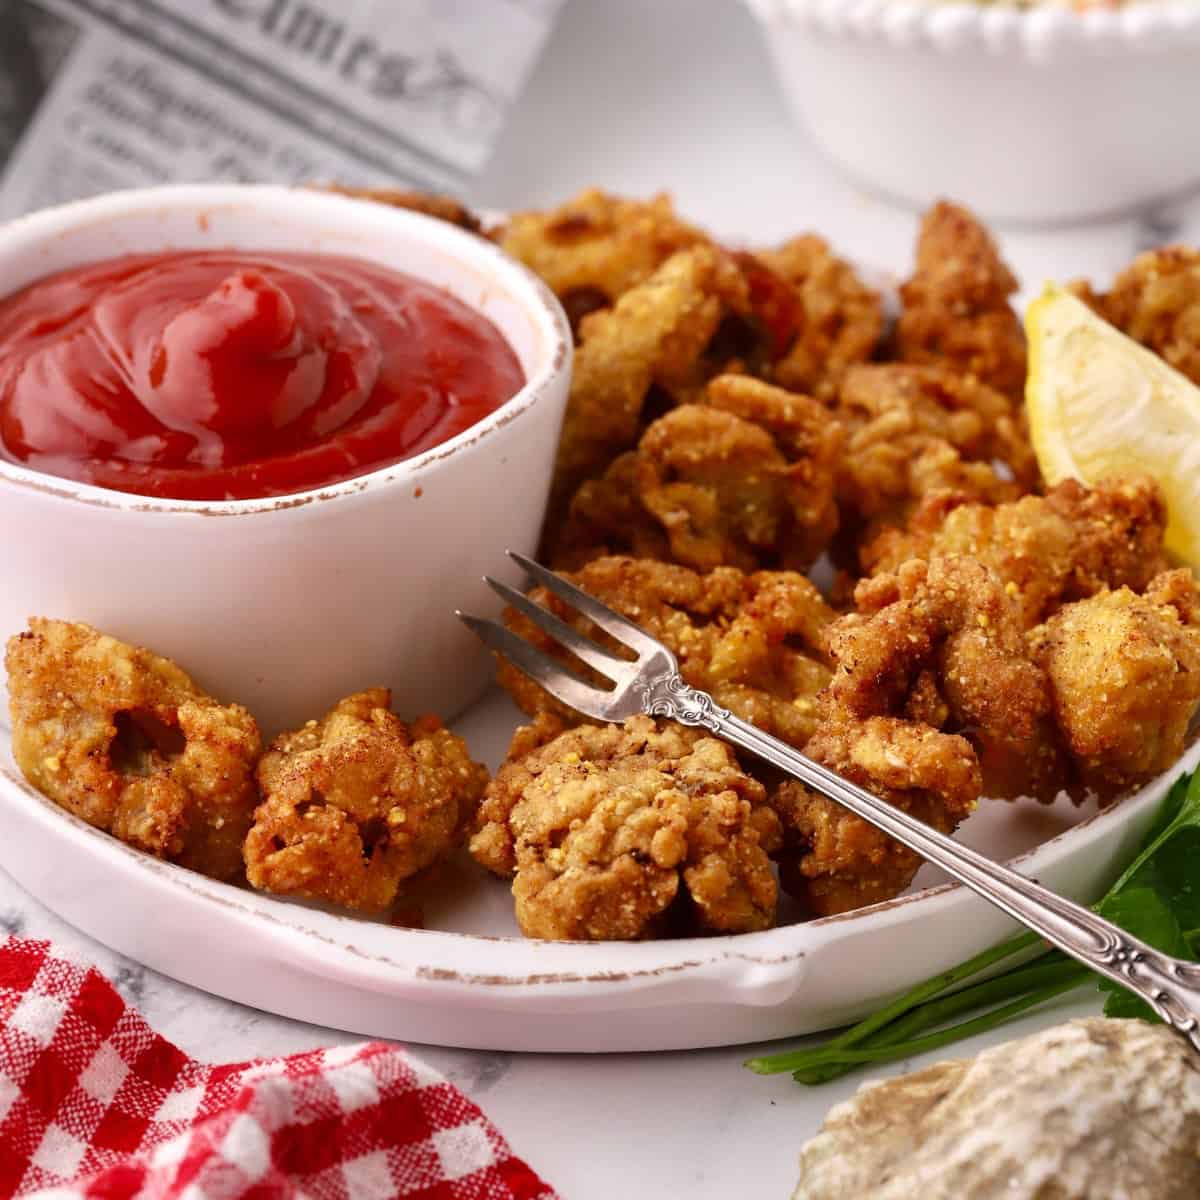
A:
[758,966]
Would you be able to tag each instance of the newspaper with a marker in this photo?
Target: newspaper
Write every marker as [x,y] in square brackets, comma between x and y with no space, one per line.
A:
[103,94]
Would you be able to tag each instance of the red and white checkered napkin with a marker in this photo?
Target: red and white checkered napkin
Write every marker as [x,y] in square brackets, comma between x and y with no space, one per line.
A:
[93,1103]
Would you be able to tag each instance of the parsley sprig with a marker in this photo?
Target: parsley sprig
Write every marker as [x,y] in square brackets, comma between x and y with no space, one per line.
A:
[1157,898]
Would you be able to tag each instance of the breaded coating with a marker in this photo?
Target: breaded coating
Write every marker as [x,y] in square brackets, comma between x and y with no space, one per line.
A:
[803,428]
[775,315]
[708,488]
[1124,671]
[941,643]
[956,308]
[1156,301]
[1180,590]
[358,802]
[125,740]
[606,828]
[546,725]
[839,320]
[595,247]
[754,642]
[445,208]
[831,860]
[1049,549]
[912,430]
[654,337]
[606,516]
[717,490]
[810,438]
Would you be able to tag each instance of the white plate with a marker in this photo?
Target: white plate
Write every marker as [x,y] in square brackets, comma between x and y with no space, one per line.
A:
[470,981]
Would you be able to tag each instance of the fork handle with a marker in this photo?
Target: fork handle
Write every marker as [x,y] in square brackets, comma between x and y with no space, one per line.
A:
[1169,985]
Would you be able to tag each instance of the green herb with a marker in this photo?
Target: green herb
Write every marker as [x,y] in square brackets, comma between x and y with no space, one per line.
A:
[1157,899]
[1144,913]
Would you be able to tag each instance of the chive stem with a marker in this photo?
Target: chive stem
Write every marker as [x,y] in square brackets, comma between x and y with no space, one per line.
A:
[840,1062]
[774,1064]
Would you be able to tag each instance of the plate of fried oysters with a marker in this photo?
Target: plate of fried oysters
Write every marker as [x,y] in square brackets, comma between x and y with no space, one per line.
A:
[824,500]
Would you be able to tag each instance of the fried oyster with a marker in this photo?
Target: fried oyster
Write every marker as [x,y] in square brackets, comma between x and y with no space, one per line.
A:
[1156,301]
[125,740]
[654,338]
[595,247]
[934,653]
[610,831]
[956,308]
[832,861]
[1124,672]
[912,430]
[838,319]
[755,642]
[358,802]
[940,643]
[746,480]
[1047,550]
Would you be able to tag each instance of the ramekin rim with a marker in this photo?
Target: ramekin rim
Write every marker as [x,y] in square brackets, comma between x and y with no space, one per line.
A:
[1041,32]
[522,285]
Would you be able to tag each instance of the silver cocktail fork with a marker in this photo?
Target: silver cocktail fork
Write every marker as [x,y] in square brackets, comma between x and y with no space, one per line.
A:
[650,683]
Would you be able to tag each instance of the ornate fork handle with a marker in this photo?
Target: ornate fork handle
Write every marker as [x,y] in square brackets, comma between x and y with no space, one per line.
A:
[1170,986]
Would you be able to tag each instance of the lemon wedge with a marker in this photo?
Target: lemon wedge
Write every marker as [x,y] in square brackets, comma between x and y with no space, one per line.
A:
[1100,404]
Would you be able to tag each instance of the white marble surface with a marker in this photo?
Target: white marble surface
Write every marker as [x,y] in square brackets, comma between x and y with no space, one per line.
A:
[640,96]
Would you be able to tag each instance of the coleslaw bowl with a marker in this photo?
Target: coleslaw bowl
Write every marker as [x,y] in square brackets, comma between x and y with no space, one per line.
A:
[1028,115]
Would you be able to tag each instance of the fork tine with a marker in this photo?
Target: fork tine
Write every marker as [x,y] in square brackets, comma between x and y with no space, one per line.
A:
[604,661]
[610,621]
[558,680]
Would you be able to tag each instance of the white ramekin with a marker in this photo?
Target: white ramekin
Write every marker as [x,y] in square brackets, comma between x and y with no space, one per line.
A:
[1027,115]
[287,603]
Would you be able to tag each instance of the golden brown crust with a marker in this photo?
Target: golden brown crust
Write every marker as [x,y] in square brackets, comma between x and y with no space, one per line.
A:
[755,642]
[124,739]
[913,430]
[839,319]
[595,247]
[654,337]
[832,861]
[708,486]
[605,828]
[358,802]
[1063,546]
[1156,301]
[1124,671]
[940,642]
[956,308]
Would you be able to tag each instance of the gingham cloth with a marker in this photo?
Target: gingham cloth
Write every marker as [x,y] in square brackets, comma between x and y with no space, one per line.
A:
[93,1103]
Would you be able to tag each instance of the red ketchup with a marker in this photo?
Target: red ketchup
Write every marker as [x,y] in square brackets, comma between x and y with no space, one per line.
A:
[213,375]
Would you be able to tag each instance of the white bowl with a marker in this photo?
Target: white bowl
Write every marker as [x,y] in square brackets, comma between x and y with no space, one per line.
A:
[287,603]
[1026,115]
